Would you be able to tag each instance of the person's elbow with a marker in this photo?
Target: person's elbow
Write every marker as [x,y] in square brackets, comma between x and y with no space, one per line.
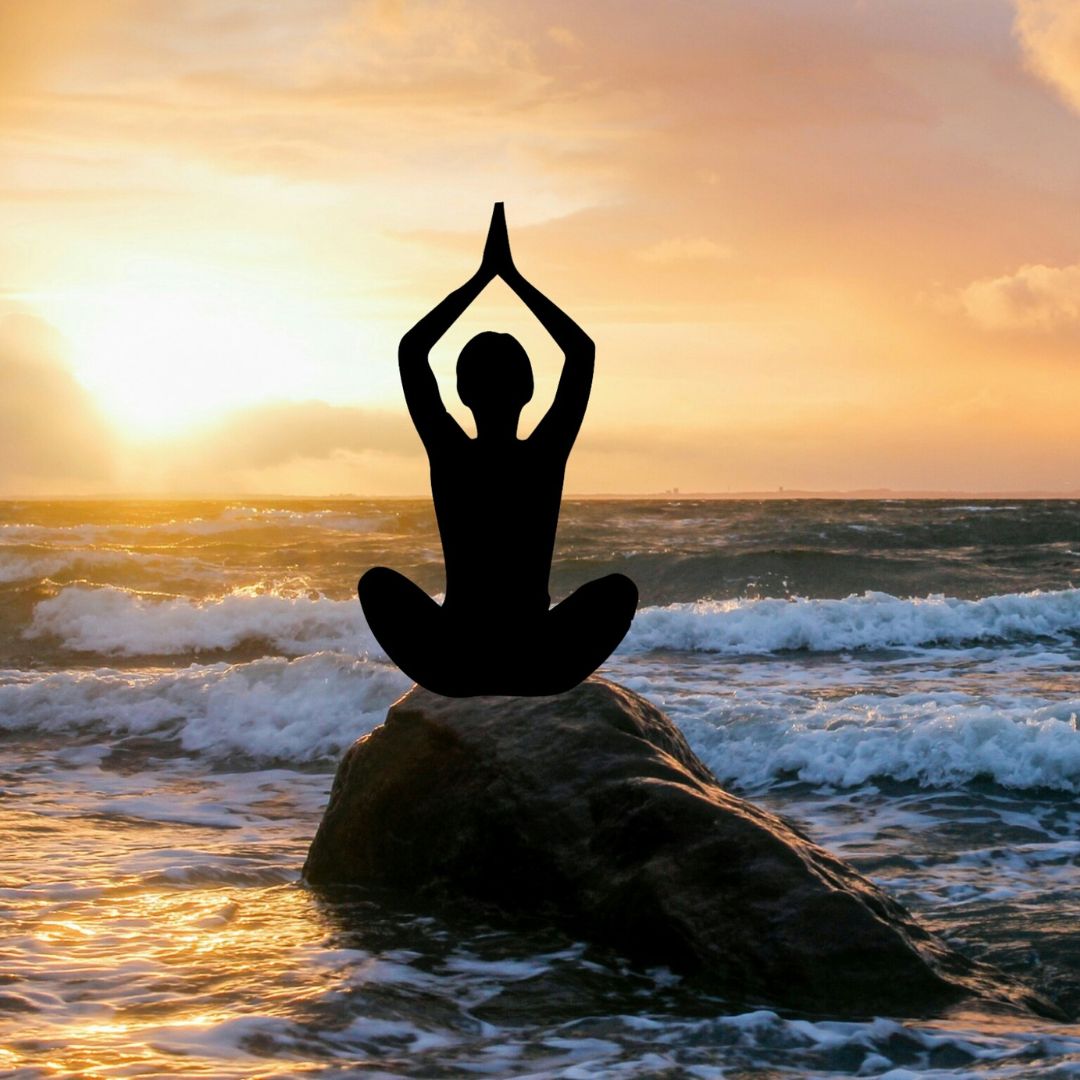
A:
[411,351]
[583,352]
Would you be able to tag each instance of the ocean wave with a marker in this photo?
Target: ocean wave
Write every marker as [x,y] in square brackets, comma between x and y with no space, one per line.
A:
[309,709]
[618,1046]
[752,736]
[38,564]
[115,621]
[119,622]
[231,519]
[300,710]
[15,568]
[938,740]
[254,517]
[872,621]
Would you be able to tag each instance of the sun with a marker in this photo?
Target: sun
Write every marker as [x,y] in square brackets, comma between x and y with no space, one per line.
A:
[166,346]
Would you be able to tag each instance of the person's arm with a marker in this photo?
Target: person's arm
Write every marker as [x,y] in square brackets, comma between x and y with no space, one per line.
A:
[426,407]
[563,420]
[417,379]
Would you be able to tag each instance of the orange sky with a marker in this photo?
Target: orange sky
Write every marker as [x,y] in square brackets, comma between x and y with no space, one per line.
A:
[820,244]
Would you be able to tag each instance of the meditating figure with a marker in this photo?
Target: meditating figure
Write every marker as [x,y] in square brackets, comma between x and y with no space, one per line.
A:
[497,504]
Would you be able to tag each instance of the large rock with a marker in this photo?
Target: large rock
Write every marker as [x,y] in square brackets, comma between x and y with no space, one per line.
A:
[591,808]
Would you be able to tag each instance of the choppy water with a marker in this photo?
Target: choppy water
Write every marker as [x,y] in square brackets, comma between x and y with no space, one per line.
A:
[179,679]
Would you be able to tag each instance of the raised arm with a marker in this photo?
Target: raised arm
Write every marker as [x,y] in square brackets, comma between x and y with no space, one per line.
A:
[417,379]
[563,419]
[426,408]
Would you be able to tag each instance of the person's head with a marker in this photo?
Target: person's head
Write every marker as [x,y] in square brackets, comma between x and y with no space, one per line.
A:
[494,375]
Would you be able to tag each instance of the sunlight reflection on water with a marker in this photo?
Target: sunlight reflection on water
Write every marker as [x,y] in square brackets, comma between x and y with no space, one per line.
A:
[153,922]
[136,946]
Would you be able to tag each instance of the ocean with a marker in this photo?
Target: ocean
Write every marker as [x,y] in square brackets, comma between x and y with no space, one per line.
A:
[179,678]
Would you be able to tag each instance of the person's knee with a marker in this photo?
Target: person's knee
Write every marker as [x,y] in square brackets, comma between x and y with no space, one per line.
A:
[600,607]
[622,592]
[376,582]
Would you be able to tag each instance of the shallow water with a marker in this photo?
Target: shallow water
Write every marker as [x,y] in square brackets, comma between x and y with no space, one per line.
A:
[180,679]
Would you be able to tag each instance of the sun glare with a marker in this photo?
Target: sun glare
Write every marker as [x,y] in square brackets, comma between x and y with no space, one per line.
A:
[169,347]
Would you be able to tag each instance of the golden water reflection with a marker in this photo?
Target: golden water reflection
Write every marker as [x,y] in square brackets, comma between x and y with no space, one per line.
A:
[130,948]
[164,970]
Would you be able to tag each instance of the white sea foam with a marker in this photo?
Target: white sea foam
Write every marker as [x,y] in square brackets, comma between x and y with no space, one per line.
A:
[934,740]
[30,567]
[121,622]
[872,621]
[16,566]
[308,709]
[269,709]
[972,508]
[125,623]
[754,728]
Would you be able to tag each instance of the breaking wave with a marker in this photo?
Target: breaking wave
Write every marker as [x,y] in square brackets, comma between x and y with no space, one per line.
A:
[309,709]
[120,622]
[872,621]
[271,709]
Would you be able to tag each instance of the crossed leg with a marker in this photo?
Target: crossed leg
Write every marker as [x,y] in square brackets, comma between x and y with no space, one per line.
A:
[549,654]
[583,630]
[406,622]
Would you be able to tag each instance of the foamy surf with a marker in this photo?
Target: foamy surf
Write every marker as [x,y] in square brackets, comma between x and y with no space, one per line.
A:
[309,709]
[929,740]
[871,621]
[272,709]
[21,566]
[121,622]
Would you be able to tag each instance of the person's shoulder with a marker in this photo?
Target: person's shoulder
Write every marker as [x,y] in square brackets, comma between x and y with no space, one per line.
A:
[442,434]
[552,438]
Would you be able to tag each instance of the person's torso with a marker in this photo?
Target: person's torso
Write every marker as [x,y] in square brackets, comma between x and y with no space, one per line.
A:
[498,510]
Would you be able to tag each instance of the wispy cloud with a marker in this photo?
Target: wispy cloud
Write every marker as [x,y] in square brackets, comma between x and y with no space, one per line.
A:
[52,436]
[1049,31]
[268,435]
[686,249]
[1041,298]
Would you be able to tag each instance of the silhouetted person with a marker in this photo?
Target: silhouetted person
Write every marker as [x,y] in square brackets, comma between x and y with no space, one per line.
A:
[497,504]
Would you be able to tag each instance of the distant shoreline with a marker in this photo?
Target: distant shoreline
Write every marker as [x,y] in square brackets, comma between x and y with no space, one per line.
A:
[782,495]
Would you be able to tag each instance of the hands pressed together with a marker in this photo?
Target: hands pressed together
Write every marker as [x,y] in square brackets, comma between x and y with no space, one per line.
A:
[497,260]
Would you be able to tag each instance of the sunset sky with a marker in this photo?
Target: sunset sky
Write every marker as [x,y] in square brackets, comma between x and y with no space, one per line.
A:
[824,244]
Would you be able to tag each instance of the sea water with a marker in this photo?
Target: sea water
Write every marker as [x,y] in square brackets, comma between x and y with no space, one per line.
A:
[179,680]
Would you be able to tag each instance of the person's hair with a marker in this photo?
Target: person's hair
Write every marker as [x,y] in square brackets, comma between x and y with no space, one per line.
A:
[494,369]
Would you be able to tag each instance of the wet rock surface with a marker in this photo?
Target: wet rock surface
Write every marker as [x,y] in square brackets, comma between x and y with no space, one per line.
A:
[589,808]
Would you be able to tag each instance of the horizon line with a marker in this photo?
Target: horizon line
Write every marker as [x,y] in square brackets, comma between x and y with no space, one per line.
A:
[773,494]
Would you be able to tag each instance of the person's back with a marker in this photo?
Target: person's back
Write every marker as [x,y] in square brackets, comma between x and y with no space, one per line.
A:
[497,504]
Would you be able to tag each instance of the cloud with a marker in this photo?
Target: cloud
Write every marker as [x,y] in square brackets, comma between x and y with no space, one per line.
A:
[1049,31]
[52,438]
[319,83]
[264,436]
[725,171]
[686,249]
[564,36]
[301,446]
[36,36]
[1034,298]
[307,447]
